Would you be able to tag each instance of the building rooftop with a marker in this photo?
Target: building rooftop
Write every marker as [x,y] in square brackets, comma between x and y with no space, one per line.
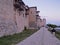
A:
[33,7]
[37,11]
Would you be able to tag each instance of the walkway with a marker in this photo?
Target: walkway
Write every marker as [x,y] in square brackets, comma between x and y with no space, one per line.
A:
[41,37]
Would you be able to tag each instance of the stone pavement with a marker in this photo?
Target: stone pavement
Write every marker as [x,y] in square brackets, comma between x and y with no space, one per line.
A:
[41,37]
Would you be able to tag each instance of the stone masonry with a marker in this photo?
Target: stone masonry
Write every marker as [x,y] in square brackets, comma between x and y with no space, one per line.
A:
[15,15]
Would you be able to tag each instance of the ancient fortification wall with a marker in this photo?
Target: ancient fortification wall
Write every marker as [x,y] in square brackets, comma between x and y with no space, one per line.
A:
[7,22]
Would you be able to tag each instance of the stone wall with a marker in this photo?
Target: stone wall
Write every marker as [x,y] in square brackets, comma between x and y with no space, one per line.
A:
[13,20]
[32,18]
[20,21]
[7,23]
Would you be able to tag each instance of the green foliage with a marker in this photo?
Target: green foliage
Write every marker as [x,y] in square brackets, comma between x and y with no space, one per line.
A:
[58,34]
[52,25]
[13,39]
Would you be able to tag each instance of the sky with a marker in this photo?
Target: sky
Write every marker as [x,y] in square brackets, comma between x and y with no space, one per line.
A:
[49,9]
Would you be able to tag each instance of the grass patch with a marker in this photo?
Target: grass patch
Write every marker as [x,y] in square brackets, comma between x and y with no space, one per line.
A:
[13,39]
[58,34]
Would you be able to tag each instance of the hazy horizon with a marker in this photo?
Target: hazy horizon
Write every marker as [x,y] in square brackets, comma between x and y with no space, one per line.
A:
[49,9]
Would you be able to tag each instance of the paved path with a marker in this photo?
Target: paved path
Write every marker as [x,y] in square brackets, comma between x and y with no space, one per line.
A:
[41,37]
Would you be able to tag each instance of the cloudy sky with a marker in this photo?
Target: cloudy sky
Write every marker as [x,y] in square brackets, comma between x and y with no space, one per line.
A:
[49,9]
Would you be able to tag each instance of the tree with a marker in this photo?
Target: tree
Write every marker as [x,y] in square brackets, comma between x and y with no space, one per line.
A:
[52,25]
